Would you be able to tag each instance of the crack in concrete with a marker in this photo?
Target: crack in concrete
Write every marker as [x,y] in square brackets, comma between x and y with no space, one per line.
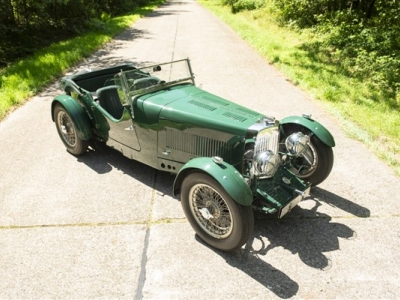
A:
[5,227]
[143,265]
[142,275]
[149,223]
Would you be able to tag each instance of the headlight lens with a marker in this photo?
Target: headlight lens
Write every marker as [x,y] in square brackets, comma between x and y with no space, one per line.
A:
[297,143]
[265,164]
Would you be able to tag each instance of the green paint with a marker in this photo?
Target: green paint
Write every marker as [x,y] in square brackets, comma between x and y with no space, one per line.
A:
[229,178]
[320,131]
[77,114]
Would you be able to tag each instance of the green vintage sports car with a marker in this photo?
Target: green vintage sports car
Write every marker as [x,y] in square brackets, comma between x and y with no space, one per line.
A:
[228,160]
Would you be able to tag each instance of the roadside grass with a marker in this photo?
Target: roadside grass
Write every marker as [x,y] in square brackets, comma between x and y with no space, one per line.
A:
[27,77]
[363,110]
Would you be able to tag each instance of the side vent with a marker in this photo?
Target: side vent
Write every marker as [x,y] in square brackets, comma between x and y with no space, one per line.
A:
[197,145]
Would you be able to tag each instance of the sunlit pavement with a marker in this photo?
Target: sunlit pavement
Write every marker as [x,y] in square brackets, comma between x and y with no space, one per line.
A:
[101,225]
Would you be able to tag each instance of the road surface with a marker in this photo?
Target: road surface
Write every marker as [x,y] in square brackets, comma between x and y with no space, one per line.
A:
[102,226]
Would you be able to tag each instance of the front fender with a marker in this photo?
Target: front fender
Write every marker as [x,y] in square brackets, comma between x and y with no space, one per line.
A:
[229,178]
[77,114]
[320,131]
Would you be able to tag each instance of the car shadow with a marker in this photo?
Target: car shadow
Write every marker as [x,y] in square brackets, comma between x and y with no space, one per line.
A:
[307,233]
[340,203]
[310,236]
[102,159]
[261,271]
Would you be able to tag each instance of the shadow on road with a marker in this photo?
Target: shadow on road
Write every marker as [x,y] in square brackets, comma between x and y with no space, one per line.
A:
[273,279]
[308,233]
[103,58]
[309,236]
[102,159]
[340,202]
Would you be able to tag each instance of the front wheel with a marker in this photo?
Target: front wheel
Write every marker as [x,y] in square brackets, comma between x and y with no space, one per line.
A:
[214,215]
[66,129]
[315,164]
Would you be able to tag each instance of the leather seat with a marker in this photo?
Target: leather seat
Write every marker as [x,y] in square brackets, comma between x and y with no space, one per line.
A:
[109,99]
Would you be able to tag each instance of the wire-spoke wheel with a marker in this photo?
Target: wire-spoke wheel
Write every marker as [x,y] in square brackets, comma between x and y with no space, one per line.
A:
[210,210]
[214,215]
[66,129]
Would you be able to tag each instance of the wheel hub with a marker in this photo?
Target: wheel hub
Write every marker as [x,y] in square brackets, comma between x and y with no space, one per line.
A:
[205,213]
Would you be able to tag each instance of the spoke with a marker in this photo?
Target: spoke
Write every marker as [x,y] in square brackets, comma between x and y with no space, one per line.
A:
[67,129]
[218,220]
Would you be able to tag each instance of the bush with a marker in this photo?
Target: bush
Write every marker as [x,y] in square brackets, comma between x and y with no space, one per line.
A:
[366,49]
[362,37]
[239,5]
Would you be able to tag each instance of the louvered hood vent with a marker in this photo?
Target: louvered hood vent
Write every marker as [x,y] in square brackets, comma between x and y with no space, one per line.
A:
[203,109]
[233,111]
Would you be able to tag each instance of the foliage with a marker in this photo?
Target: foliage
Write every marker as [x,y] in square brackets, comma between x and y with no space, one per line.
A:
[27,25]
[367,48]
[239,5]
[346,59]
[23,79]
[307,13]
[362,37]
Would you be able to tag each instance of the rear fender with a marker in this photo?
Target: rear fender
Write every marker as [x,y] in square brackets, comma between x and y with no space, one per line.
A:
[320,131]
[229,178]
[77,114]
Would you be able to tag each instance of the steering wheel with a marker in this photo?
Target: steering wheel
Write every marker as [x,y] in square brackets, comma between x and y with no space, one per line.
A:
[143,83]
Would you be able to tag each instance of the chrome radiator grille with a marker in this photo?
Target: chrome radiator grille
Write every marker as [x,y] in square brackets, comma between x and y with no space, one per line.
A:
[267,139]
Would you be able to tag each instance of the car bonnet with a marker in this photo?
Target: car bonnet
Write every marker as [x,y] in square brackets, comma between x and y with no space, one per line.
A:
[199,108]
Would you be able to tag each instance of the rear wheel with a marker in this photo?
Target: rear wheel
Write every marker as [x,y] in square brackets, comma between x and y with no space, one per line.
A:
[315,164]
[66,129]
[214,215]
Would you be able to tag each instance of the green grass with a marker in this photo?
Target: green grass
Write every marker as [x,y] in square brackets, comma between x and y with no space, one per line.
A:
[25,78]
[360,108]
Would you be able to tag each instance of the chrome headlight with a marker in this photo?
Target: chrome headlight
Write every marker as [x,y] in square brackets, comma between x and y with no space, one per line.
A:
[297,143]
[265,164]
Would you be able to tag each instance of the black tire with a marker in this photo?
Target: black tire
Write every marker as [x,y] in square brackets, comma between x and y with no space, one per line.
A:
[217,219]
[66,129]
[321,154]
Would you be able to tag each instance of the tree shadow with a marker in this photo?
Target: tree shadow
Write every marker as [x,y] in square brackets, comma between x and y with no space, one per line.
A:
[159,13]
[132,33]
[102,58]
[164,10]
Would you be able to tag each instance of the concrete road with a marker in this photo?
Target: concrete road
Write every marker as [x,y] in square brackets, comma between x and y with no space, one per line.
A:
[102,226]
